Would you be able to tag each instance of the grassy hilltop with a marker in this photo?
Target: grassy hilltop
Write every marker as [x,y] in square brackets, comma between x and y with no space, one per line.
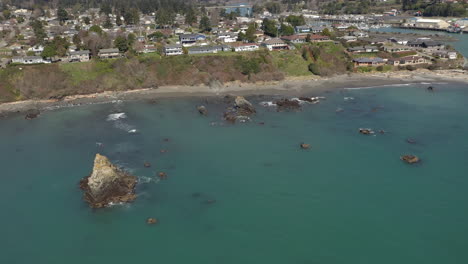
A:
[58,80]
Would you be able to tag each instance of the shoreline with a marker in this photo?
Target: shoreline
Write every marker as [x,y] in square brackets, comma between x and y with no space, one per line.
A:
[291,86]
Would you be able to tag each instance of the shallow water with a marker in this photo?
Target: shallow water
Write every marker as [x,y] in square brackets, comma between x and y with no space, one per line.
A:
[349,199]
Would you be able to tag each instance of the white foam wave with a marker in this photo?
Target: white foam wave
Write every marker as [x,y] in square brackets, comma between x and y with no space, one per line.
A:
[116,116]
[379,86]
[267,104]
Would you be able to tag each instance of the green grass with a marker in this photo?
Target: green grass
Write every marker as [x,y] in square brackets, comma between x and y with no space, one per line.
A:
[290,62]
[86,71]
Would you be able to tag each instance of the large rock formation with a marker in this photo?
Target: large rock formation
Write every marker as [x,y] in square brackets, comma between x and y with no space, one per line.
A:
[107,184]
[241,111]
[288,105]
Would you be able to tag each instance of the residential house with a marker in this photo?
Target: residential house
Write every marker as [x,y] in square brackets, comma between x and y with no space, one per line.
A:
[108,53]
[349,38]
[295,38]
[303,30]
[241,47]
[445,54]
[319,38]
[191,39]
[275,44]
[149,49]
[38,49]
[80,56]
[359,62]
[29,60]
[363,49]
[170,50]
[396,48]
[409,60]
[227,37]
[207,49]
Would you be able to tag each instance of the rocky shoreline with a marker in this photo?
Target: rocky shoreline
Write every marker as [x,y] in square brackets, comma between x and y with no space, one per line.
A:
[296,86]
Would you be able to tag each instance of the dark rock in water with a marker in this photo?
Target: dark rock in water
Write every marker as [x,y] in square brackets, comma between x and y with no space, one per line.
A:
[162,175]
[243,106]
[152,221]
[147,164]
[410,159]
[166,140]
[202,110]
[305,146]
[366,131]
[31,114]
[306,99]
[411,140]
[241,111]
[430,88]
[286,105]
[107,184]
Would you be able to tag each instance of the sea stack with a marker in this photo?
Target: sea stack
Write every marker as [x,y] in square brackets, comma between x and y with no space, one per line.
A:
[107,184]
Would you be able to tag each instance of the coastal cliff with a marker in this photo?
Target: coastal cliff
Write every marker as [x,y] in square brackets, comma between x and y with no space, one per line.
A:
[107,184]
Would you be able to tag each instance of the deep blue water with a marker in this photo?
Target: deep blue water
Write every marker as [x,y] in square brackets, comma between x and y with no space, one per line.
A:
[349,199]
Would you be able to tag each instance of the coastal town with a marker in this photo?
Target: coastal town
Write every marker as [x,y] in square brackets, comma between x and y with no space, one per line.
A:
[77,35]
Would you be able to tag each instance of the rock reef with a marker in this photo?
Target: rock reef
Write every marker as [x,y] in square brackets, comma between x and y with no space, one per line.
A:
[107,184]
[410,159]
[288,105]
[241,111]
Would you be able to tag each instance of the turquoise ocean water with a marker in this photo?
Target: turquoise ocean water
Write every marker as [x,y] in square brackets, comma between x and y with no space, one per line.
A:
[347,200]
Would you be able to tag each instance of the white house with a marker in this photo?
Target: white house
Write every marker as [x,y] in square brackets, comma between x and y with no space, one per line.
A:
[170,50]
[241,47]
[29,60]
[275,44]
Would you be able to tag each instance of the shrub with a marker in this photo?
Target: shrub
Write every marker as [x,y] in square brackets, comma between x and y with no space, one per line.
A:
[380,68]
[314,69]
[410,68]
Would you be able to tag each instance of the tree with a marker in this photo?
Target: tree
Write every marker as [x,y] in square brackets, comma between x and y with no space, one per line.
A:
[118,20]
[164,17]
[250,33]
[62,15]
[308,38]
[77,40]
[49,51]
[286,30]
[20,19]
[269,27]
[96,28]
[205,24]
[121,43]
[6,14]
[190,17]
[108,23]
[273,7]
[38,31]
[314,68]
[295,20]
[106,9]
[86,20]
[131,39]
[326,32]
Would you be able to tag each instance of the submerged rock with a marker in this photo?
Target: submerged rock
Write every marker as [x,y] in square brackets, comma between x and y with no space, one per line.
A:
[366,131]
[410,159]
[287,104]
[162,175]
[31,114]
[107,184]
[152,221]
[147,164]
[305,146]
[202,110]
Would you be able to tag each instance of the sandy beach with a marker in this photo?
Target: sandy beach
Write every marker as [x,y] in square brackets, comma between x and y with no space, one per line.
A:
[293,86]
